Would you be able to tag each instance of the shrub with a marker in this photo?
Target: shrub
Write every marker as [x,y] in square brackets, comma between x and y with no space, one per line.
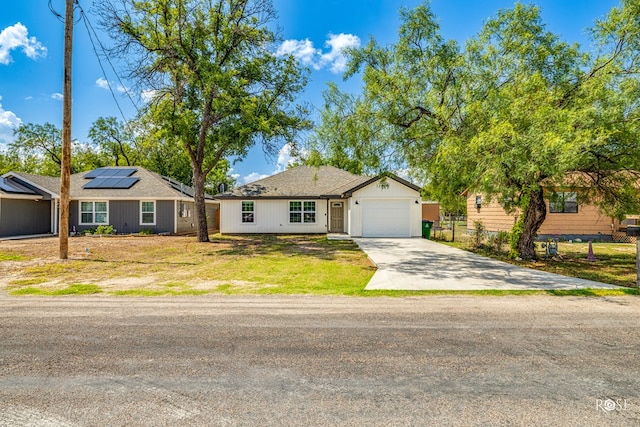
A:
[498,240]
[104,229]
[516,232]
[479,233]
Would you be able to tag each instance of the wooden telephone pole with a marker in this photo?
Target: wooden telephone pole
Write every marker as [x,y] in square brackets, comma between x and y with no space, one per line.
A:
[65,169]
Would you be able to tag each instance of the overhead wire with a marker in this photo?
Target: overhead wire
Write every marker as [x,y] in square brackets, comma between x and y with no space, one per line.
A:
[90,30]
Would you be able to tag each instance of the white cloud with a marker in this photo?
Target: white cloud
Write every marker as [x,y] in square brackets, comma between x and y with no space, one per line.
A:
[307,54]
[106,85]
[16,37]
[335,58]
[102,83]
[8,122]
[57,96]
[284,158]
[303,50]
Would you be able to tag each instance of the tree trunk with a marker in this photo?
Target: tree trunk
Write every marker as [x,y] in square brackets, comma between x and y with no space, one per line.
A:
[534,216]
[201,208]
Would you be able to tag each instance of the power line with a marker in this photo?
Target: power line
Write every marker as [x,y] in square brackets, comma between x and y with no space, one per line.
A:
[90,29]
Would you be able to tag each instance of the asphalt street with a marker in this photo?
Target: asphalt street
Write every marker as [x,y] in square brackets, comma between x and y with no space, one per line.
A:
[319,361]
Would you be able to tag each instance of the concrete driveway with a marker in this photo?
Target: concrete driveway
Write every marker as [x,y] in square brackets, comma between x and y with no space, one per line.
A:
[420,264]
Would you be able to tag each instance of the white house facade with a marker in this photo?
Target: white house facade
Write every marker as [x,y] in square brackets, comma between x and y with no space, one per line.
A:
[308,200]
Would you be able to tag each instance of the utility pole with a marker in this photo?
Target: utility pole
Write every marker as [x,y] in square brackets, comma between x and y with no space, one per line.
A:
[65,169]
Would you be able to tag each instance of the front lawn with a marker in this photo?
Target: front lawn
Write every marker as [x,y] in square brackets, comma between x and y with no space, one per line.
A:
[163,265]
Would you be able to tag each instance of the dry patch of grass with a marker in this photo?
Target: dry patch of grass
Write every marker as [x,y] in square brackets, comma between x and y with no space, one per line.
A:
[172,265]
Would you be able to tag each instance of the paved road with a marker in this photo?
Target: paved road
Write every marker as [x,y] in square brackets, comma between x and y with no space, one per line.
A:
[420,264]
[215,360]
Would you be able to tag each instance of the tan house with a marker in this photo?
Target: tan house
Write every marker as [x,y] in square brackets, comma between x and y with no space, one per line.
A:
[431,212]
[566,218]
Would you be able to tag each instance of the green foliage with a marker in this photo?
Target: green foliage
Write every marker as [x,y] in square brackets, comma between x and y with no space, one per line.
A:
[11,256]
[75,289]
[498,240]
[479,234]
[516,232]
[104,229]
[115,140]
[145,231]
[218,86]
[516,110]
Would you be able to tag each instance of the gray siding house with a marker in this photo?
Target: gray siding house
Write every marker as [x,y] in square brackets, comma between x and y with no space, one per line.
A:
[131,199]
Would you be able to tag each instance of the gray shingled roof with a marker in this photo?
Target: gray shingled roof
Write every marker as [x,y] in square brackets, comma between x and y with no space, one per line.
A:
[150,185]
[301,181]
[306,182]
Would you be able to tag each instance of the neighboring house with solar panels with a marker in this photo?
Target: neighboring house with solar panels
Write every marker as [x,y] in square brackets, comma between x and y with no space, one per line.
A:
[130,199]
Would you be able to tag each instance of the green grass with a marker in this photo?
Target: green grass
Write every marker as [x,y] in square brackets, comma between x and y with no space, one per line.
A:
[273,264]
[11,256]
[76,289]
[158,292]
[26,282]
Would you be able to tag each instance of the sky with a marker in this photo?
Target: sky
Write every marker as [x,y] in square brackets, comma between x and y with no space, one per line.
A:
[315,31]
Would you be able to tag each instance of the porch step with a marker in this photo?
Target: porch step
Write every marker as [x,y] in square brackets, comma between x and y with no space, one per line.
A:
[338,236]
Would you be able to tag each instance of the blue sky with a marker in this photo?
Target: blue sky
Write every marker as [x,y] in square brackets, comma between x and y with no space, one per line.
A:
[31,55]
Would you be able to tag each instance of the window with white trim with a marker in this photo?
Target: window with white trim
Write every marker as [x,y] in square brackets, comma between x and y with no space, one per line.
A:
[563,202]
[94,213]
[248,212]
[302,212]
[147,212]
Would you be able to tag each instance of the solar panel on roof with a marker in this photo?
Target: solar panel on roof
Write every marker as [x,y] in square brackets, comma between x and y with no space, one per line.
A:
[111,182]
[110,172]
[11,187]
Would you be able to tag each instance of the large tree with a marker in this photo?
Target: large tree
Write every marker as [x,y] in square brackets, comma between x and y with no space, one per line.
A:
[514,111]
[37,148]
[217,85]
[115,139]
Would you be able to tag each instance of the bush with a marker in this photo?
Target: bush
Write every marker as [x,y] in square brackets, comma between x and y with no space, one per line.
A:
[516,232]
[498,240]
[479,234]
[104,229]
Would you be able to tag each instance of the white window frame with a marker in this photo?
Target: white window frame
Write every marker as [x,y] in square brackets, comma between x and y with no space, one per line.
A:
[155,208]
[303,210]
[93,212]
[252,211]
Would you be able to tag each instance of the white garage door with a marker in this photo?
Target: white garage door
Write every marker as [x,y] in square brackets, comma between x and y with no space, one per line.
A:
[386,218]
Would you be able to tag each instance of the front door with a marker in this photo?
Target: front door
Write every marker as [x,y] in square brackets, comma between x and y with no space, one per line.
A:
[337,217]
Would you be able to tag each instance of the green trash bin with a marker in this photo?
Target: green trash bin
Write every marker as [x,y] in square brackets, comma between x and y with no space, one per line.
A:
[426,228]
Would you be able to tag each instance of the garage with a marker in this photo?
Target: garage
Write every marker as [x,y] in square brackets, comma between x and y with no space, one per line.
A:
[386,218]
